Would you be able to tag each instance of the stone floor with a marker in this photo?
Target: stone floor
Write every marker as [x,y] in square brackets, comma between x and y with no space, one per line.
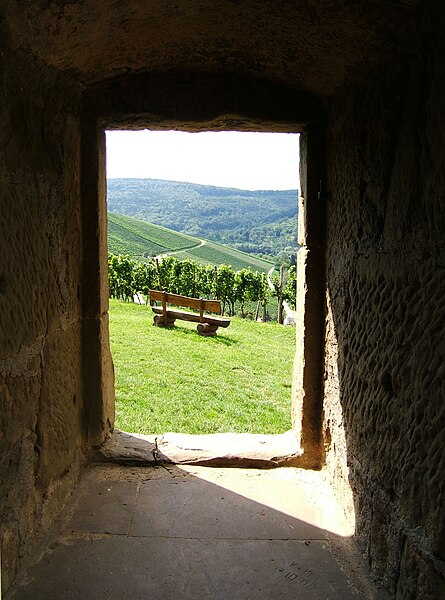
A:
[170,532]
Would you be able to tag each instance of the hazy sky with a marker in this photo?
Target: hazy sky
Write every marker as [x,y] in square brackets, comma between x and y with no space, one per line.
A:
[252,161]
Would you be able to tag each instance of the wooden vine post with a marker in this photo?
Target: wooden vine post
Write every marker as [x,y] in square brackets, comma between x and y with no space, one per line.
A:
[280,296]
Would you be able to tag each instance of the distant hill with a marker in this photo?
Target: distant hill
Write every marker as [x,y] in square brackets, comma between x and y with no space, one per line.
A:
[139,239]
[260,222]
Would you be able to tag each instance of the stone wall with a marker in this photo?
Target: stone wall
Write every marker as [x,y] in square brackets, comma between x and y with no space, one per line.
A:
[384,409]
[383,416]
[41,407]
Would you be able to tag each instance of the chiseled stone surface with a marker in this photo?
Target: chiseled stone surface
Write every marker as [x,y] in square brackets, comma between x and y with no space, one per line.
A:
[384,410]
[373,75]
[313,46]
[41,442]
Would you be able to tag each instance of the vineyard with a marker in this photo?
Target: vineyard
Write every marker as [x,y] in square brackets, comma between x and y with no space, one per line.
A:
[127,235]
[128,277]
[141,240]
[257,222]
[215,254]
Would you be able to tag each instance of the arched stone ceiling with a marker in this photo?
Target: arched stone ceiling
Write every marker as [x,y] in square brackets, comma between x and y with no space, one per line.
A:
[314,45]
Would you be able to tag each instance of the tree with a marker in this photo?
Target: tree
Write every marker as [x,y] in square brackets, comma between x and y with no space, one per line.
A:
[225,288]
[290,288]
[144,276]
[206,278]
[165,273]
[259,290]
[287,288]
[245,287]
[121,277]
[188,278]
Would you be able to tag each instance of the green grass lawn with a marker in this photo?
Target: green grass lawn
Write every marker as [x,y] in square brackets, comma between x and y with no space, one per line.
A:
[176,380]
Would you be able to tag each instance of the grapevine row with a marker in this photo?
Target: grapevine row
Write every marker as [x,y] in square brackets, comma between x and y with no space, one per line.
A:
[128,277]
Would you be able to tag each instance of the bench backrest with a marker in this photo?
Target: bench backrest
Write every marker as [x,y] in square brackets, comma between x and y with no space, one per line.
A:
[200,304]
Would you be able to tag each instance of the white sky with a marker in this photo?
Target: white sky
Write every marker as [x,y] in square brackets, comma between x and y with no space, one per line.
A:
[252,161]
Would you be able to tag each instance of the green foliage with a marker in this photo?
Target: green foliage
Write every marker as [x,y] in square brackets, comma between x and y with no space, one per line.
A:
[121,277]
[127,235]
[122,240]
[225,287]
[141,240]
[289,287]
[216,254]
[273,240]
[250,286]
[176,380]
[260,222]
[144,276]
[128,277]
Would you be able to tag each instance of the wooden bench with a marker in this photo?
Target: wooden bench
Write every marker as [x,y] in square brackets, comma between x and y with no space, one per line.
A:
[166,316]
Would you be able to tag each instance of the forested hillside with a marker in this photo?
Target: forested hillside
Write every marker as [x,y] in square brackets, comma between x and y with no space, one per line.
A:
[260,222]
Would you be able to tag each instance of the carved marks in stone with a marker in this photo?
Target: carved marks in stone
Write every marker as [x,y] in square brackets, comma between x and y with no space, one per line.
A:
[300,576]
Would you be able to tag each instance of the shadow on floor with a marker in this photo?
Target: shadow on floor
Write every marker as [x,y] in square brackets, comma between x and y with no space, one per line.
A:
[198,533]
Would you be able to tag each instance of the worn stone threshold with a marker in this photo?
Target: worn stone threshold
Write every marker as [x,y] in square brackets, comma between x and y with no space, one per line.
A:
[219,449]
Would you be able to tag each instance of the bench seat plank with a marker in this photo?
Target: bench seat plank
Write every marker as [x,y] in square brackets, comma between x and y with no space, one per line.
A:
[165,316]
[183,315]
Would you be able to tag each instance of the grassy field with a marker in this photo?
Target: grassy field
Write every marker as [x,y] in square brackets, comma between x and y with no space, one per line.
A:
[127,235]
[176,380]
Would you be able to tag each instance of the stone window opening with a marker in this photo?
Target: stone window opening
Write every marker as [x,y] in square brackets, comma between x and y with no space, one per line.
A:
[281,444]
[298,113]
